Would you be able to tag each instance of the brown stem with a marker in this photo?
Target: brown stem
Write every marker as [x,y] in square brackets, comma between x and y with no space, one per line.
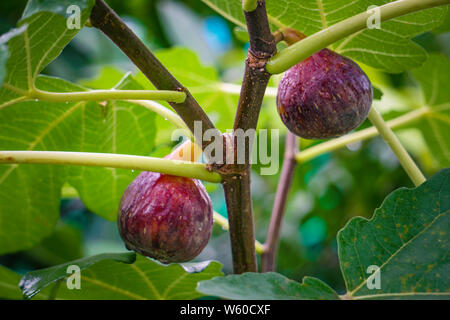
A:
[268,258]
[239,205]
[105,19]
[291,36]
[237,183]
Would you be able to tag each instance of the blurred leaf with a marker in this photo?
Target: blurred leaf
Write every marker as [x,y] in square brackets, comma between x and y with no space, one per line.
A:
[388,48]
[9,284]
[266,286]
[201,81]
[241,34]
[35,281]
[433,79]
[407,238]
[109,77]
[63,245]
[105,278]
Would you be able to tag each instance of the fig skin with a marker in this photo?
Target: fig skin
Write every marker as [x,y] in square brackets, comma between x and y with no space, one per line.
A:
[165,217]
[325,96]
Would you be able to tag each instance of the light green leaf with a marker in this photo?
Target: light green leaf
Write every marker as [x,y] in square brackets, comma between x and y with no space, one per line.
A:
[29,196]
[407,239]
[117,127]
[40,38]
[266,286]
[143,279]
[388,48]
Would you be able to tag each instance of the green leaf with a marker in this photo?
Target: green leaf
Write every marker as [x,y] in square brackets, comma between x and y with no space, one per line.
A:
[35,281]
[266,286]
[40,38]
[118,127]
[388,48]
[433,79]
[407,238]
[29,196]
[9,284]
[143,279]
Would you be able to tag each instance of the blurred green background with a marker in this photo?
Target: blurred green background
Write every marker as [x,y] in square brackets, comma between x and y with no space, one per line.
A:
[327,191]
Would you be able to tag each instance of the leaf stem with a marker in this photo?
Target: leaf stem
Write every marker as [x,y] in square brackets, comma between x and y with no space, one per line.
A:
[361,135]
[391,139]
[164,112]
[100,95]
[249,5]
[290,56]
[174,167]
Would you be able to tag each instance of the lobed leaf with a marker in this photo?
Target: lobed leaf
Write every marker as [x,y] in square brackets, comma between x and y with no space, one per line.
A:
[389,48]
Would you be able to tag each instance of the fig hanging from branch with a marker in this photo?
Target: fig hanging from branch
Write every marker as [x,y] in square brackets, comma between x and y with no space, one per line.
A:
[324,96]
[166,217]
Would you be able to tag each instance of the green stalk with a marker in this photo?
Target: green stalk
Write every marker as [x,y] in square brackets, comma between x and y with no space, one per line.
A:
[223,223]
[99,95]
[249,5]
[290,56]
[391,139]
[174,167]
[361,135]
[164,112]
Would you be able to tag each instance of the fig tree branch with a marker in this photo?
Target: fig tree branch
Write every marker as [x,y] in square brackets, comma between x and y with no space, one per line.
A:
[105,19]
[290,56]
[402,155]
[268,258]
[236,180]
[112,160]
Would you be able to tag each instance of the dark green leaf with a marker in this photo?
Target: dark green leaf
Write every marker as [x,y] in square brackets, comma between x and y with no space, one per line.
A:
[407,239]
[266,286]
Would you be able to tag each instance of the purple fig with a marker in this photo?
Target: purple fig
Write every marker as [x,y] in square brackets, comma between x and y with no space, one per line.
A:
[165,217]
[324,96]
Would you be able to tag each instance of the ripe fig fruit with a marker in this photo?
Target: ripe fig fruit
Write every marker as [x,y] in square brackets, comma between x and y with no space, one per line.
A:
[165,217]
[324,96]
